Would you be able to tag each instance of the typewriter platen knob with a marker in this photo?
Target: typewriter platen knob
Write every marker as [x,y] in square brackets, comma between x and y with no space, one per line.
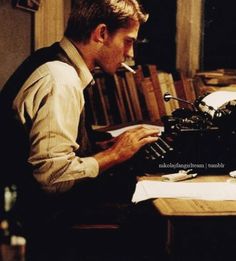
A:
[167,97]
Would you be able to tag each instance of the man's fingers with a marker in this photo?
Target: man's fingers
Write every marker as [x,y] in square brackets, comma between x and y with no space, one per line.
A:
[145,132]
[144,128]
[147,140]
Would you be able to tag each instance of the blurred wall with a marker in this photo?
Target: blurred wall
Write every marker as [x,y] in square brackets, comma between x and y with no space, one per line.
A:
[15,38]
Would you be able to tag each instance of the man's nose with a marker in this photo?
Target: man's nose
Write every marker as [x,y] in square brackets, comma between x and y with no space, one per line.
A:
[130,53]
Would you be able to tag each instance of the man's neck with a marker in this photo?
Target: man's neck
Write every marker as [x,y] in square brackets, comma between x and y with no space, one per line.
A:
[86,51]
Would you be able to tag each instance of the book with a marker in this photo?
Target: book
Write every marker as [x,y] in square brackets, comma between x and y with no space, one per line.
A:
[102,96]
[97,106]
[111,95]
[119,99]
[219,77]
[202,89]
[171,89]
[157,89]
[215,80]
[133,93]
[138,77]
[188,88]
[127,99]
[181,93]
[164,89]
[150,98]
[90,105]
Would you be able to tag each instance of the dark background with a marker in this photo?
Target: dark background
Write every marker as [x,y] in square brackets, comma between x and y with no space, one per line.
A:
[15,38]
[218,42]
[219,36]
[159,32]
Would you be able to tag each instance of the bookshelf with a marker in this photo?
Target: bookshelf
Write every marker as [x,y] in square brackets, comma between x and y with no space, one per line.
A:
[125,98]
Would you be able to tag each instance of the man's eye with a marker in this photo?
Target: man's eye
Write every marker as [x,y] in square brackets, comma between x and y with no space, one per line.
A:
[129,42]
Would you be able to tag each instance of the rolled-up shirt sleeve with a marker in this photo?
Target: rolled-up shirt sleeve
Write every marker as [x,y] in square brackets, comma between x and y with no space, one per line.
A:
[53,103]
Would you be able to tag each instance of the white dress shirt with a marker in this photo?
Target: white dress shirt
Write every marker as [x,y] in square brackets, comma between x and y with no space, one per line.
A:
[52,99]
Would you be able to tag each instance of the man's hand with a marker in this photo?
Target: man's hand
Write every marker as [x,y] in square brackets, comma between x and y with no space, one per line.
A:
[126,145]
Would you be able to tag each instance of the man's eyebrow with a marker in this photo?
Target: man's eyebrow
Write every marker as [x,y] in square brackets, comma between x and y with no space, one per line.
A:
[132,38]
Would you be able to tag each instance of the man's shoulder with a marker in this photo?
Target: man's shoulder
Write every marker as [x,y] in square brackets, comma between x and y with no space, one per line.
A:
[60,71]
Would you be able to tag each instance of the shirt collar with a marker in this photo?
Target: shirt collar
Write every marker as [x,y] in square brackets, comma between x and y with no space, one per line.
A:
[79,63]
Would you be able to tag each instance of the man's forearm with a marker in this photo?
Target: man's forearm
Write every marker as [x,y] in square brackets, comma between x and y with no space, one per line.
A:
[106,159]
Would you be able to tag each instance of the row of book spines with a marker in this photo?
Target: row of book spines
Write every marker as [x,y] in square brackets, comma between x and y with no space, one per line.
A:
[161,83]
[125,97]
[157,83]
[115,99]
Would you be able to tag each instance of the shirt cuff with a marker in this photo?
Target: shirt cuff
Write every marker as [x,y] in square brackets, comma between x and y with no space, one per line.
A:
[91,166]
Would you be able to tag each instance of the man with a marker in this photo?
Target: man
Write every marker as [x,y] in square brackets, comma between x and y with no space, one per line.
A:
[43,104]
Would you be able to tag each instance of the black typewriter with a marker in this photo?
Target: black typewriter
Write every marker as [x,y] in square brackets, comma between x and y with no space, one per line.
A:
[202,138]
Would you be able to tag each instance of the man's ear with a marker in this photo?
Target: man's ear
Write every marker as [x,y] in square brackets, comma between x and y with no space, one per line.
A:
[100,33]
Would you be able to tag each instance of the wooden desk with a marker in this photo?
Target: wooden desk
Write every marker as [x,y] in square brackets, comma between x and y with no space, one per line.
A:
[192,207]
[182,214]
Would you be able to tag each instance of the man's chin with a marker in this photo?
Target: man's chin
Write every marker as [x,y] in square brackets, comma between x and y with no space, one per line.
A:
[114,70]
[109,70]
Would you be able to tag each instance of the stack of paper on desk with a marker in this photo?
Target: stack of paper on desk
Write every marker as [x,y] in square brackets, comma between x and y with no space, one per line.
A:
[147,189]
[119,131]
